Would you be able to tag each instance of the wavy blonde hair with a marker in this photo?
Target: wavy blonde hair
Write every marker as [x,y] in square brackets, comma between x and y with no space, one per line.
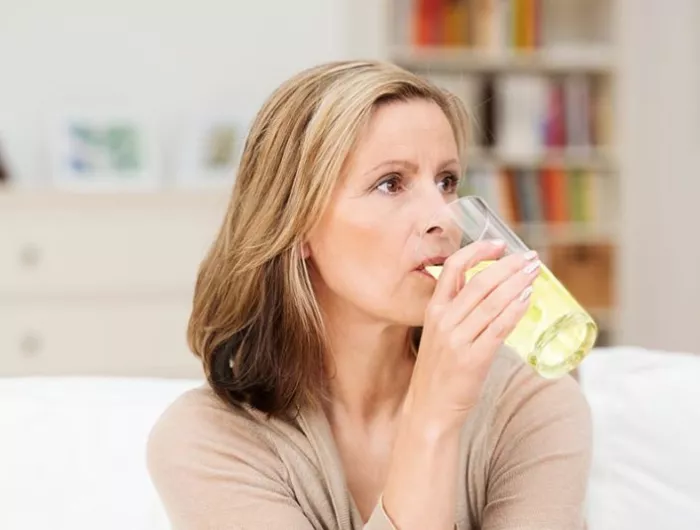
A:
[255,322]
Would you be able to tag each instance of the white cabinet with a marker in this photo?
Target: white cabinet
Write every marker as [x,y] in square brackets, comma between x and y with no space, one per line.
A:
[119,337]
[74,252]
[101,284]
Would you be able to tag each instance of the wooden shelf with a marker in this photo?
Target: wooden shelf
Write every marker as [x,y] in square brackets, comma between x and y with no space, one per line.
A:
[593,59]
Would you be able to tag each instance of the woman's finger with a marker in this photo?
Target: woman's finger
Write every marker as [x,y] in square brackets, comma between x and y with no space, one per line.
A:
[451,279]
[492,287]
[490,308]
[498,330]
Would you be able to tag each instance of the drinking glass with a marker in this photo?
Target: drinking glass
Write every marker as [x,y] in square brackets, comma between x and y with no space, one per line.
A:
[556,333]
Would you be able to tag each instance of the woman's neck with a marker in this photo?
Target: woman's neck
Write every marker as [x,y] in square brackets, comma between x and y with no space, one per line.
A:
[370,366]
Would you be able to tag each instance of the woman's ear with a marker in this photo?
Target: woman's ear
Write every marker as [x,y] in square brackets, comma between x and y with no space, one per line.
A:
[305,250]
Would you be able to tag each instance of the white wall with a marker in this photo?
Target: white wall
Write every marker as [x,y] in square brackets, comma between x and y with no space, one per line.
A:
[171,58]
[660,119]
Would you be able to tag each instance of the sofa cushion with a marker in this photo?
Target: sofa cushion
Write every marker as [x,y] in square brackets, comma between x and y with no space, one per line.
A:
[646,451]
[72,452]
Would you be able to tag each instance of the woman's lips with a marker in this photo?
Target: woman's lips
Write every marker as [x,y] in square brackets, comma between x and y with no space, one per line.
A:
[422,271]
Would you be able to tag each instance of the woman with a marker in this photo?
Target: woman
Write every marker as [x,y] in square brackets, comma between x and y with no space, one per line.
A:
[348,389]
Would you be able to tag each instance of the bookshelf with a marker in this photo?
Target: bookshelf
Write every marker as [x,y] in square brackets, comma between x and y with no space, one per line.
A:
[538,77]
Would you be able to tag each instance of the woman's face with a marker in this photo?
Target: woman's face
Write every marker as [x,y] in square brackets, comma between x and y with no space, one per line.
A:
[364,249]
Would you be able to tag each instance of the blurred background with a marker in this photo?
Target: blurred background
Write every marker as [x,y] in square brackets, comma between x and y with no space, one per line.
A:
[121,123]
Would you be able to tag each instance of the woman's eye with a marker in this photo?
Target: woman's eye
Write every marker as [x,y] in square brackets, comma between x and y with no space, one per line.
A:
[449,183]
[391,185]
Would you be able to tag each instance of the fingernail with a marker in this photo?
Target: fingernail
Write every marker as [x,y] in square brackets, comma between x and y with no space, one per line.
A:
[530,255]
[498,243]
[532,267]
[526,294]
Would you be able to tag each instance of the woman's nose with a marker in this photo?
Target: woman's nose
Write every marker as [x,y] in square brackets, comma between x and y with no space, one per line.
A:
[438,234]
[431,214]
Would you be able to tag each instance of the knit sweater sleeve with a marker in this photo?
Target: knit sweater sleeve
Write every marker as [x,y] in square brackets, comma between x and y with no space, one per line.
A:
[212,471]
[540,459]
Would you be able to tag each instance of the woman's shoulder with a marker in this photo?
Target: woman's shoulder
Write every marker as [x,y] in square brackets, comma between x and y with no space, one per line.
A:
[514,389]
[201,409]
[533,446]
[214,465]
[199,430]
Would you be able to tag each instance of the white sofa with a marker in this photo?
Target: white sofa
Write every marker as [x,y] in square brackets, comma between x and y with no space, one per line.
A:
[646,419]
[72,449]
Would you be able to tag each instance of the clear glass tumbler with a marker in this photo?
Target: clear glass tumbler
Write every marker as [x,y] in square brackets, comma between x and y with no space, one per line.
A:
[556,333]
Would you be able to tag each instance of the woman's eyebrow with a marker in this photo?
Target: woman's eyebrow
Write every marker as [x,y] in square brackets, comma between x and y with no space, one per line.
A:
[449,162]
[410,166]
[404,163]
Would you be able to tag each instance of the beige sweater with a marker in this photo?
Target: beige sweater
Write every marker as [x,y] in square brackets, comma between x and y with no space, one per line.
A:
[524,463]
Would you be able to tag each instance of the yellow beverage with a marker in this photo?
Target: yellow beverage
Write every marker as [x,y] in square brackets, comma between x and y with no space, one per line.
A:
[556,333]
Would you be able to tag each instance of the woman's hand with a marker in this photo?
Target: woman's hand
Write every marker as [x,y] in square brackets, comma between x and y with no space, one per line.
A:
[465,325]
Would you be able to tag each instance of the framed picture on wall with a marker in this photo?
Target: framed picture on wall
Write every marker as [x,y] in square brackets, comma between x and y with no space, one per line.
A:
[103,151]
[209,152]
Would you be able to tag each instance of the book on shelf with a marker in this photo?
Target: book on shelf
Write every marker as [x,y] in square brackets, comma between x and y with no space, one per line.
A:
[532,114]
[490,25]
[542,196]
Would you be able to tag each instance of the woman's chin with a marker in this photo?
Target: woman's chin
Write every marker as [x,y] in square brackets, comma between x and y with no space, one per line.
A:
[414,312]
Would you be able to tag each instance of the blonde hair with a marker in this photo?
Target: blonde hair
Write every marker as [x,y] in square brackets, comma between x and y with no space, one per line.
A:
[255,322]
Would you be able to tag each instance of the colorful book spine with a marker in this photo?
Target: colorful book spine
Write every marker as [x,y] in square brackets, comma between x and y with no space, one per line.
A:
[497,25]
[550,195]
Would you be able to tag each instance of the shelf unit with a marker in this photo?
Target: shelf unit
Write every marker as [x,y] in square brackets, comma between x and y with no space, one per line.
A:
[598,60]
[533,51]
[47,200]
[600,159]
